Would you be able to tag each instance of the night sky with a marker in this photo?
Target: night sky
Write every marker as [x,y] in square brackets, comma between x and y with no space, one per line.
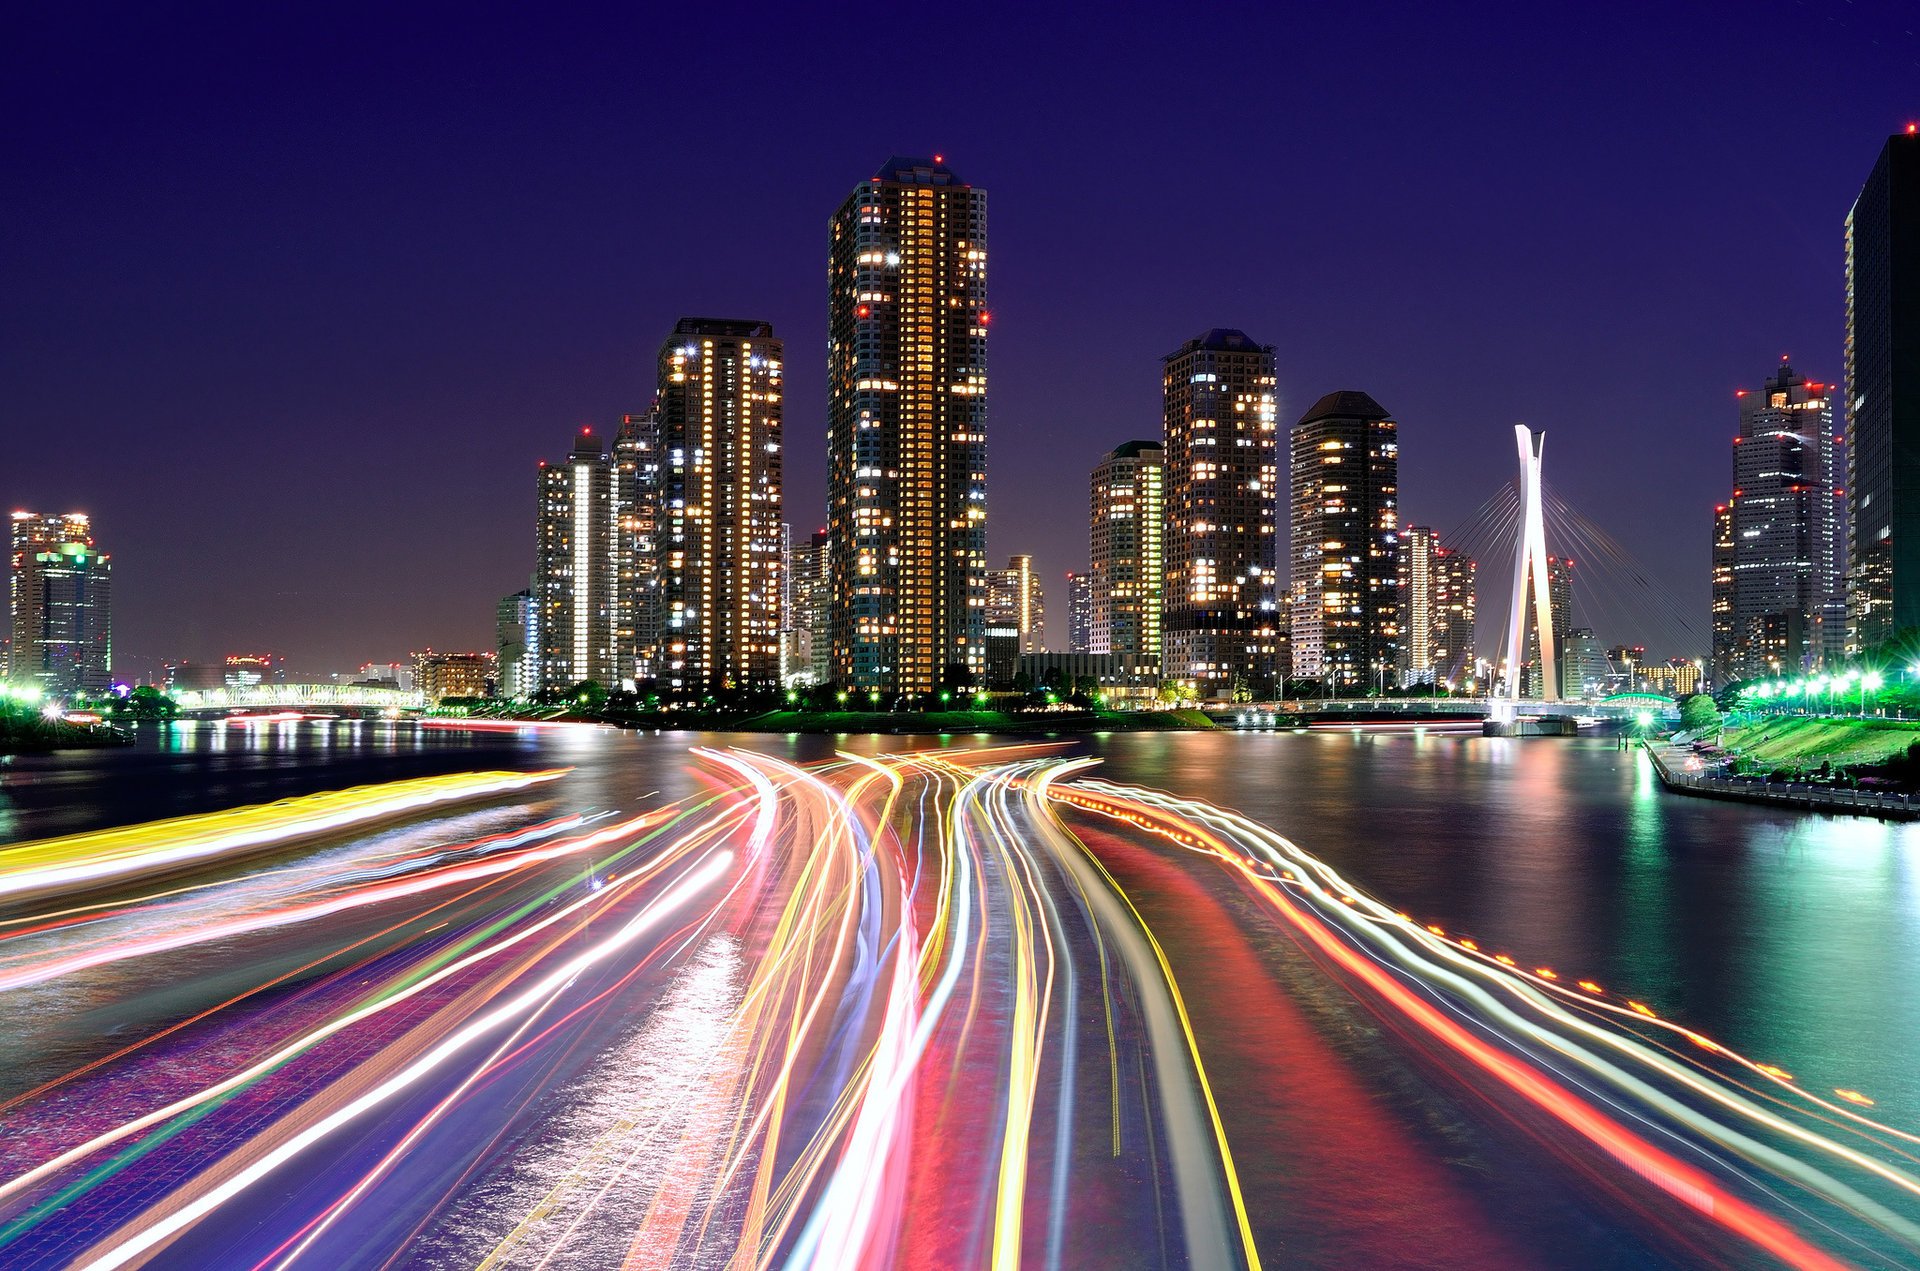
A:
[293,303]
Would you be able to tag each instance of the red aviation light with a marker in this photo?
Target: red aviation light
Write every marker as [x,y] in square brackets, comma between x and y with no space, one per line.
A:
[863,312]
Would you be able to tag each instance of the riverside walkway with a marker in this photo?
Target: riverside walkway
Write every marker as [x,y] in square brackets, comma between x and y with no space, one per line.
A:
[1669,763]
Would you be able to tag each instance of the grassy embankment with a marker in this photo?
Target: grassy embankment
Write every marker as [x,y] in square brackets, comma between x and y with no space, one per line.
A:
[31,734]
[1807,742]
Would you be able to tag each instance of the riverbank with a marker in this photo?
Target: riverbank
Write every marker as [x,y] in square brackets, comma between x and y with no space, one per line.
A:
[1670,765]
[1804,742]
[927,722]
[32,734]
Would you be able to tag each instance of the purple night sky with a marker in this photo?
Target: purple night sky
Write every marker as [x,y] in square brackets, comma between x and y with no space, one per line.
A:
[293,304]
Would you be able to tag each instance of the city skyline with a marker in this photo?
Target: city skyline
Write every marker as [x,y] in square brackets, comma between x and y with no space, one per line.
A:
[1074,359]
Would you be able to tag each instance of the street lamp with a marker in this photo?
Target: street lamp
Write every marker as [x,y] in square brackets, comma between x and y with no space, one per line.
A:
[1869,683]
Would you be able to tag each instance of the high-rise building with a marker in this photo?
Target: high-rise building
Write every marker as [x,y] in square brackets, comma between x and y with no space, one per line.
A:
[1014,600]
[907,428]
[60,599]
[1418,583]
[1346,576]
[715,507]
[1883,402]
[575,579]
[808,646]
[515,629]
[1783,562]
[1455,602]
[1080,611]
[1559,612]
[635,461]
[1127,551]
[1221,615]
[1722,602]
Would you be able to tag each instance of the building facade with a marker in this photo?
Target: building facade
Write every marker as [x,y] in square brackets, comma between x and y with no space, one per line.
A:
[1456,602]
[1883,404]
[1559,612]
[1221,614]
[1722,594]
[906,428]
[1126,546]
[439,676]
[1080,611]
[711,509]
[808,644]
[575,579]
[635,463]
[1437,607]
[1346,555]
[1584,669]
[1784,566]
[515,632]
[60,602]
[1015,600]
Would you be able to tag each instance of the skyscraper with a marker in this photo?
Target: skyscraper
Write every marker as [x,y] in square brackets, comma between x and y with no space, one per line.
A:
[1781,533]
[1346,577]
[1080,611]
[1455,602]
[59,594]
[1221,614]
[1883,405]
[1015,601]
[635,463]
[575,579]
[906,428]
[1126,550]
[808,653]
[1418,582]
[1722,603]
[715,507]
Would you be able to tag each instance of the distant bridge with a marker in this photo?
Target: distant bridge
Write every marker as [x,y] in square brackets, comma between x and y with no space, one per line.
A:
[295,697]
[1619,708]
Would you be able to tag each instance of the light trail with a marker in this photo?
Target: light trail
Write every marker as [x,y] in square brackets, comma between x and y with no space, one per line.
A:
[922,1020]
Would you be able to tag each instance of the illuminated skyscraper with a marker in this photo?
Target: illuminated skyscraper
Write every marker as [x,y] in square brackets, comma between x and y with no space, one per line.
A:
[575,577]
[1220,629]
[1784,570]
[1722,605]
[1533,677]
[515,631]
[1015,601]
[808,651]
[60,594]
[1080,611]
[1127,551]
[1883,406]
[636,612]
[906,428]
[1455,602]
[1346,555]
[716,507]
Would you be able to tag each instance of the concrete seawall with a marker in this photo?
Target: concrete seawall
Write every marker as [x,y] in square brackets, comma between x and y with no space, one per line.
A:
[1892,807]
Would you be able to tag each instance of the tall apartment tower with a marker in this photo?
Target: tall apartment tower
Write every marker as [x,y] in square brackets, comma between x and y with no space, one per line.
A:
[1722,598]
[575,582]
[515,631]
[636,615]
[1883,404]
[1455,602]
[1419,581]
[60,601]
[1127,551]
[1221,616]
[1080,611]
[907,428]
[807,655]
[1784,569]
[1015,601]
[1346,576]
[715,507]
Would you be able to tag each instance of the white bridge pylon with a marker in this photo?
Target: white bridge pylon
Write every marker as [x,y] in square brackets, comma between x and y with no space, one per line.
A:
[1531,560]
